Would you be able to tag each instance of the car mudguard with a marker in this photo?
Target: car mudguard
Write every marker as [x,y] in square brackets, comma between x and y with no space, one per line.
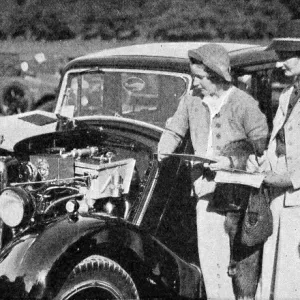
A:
[36,264]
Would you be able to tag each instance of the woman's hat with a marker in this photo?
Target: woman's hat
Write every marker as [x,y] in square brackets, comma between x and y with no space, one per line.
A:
[213,56]
[288,37]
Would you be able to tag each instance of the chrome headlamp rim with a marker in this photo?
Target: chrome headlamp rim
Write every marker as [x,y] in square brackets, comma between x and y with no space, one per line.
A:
[17,199]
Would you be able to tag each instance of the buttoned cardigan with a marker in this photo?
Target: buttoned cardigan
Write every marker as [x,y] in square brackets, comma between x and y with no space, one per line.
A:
[239,118]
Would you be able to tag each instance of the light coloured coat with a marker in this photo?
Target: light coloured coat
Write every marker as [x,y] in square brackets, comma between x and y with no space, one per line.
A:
[281,264]
[292,139]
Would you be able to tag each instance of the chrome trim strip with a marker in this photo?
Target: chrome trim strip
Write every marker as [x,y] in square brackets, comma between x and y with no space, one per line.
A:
[146,203]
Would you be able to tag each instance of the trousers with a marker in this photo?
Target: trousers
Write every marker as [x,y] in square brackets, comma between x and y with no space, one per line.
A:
[214,253]
[230,269]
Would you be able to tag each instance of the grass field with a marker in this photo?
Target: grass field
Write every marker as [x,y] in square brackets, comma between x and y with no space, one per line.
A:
[69,48]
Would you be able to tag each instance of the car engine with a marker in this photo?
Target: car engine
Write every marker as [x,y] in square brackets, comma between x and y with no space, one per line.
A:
[49,175]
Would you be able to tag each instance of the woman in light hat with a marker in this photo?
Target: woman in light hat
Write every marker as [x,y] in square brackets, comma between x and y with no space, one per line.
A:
[217,114]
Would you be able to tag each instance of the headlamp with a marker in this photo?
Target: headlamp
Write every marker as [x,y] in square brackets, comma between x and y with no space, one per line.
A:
[16,207]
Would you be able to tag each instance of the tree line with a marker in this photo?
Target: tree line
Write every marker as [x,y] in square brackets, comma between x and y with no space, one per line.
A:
[168,20]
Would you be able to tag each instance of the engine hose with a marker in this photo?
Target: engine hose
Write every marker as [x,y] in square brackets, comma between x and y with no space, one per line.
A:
[61,200]
[53,188]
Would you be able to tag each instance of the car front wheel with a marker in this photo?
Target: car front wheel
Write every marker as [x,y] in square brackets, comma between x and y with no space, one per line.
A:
[98,277]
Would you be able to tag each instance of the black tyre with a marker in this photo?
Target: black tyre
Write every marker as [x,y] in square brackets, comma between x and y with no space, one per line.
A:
[98,277]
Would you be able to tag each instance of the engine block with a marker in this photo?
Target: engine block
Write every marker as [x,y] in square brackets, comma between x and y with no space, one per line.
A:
[107,179]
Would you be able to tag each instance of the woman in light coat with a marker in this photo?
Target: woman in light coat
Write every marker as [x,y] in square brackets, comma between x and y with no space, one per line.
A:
[281,257]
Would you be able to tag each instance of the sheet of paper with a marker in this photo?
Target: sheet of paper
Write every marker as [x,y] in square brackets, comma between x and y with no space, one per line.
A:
[239,177]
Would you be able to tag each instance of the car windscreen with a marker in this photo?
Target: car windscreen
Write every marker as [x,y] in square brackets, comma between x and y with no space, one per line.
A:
[149,96]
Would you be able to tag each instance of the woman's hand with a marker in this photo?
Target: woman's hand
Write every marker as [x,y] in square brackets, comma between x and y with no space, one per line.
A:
[222,162]
[278,180]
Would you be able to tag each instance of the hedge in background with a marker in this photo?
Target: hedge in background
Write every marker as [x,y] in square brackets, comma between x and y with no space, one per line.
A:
[52,20]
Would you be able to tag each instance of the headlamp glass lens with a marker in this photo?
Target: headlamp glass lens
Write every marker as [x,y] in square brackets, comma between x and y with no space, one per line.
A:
[11,208]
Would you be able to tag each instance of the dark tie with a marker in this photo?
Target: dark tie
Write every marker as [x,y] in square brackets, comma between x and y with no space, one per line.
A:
[280,138]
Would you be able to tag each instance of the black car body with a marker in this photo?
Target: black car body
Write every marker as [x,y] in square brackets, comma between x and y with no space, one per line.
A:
[88,213]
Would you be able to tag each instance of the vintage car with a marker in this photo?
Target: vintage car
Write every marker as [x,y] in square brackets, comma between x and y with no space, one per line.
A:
[87,211]
[146,82]
[26,84]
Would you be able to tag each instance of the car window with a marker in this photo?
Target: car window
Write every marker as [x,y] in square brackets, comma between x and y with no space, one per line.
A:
[142,95]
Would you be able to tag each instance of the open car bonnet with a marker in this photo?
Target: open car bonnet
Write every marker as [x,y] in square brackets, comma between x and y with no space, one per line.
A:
[18,127]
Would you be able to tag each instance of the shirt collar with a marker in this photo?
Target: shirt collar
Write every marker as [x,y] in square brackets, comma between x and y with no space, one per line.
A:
[215,106]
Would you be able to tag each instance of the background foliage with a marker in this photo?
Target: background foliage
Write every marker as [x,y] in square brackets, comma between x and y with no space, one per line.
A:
[51,20]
